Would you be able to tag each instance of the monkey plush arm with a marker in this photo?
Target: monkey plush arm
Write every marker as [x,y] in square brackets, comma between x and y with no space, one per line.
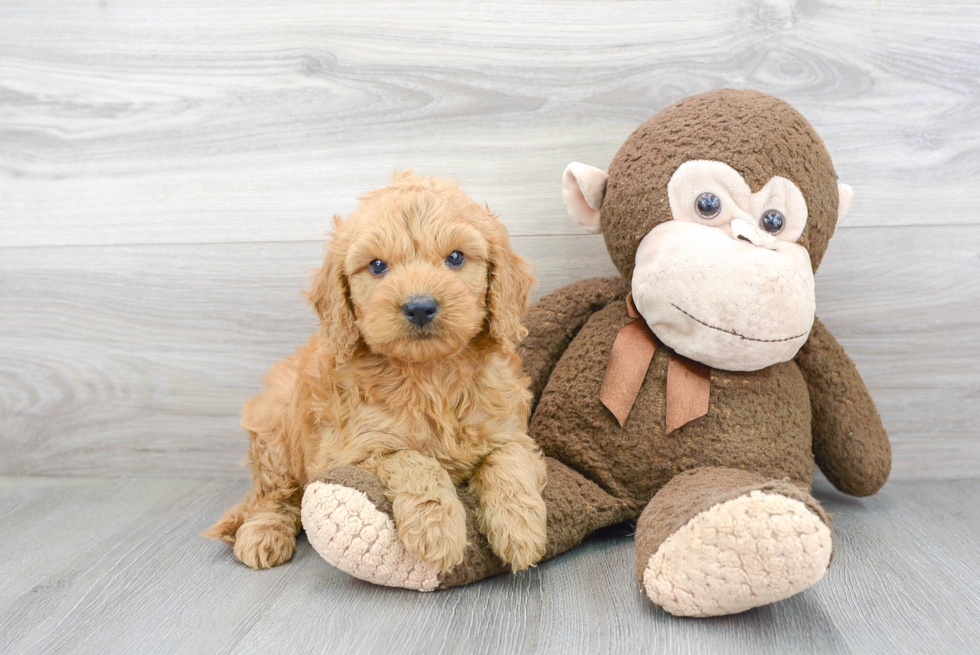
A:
[849,441]
[554,320]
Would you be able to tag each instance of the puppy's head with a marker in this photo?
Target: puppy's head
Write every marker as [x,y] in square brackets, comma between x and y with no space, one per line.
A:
[417,272]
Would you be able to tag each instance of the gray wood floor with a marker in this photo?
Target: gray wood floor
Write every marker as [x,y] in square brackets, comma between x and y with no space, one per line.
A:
[117,566]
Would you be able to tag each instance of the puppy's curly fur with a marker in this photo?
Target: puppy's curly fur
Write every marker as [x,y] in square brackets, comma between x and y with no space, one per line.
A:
[422,407]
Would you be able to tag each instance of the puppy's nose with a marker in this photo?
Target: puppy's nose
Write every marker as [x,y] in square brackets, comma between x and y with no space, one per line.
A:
[420,310]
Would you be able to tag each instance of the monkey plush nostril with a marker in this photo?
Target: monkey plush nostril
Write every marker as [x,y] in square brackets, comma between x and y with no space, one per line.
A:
[420,310]
[742,230]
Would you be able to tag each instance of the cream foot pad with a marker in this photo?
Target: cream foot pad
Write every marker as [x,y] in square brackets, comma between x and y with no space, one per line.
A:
[742,553]
[351,534]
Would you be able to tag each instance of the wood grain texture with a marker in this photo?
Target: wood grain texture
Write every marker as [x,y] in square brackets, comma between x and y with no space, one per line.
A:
[116,565]
[137,359]
[167,171]
[225,121]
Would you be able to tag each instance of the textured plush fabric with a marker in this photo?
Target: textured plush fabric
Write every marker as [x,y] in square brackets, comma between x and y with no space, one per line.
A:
[355,478]
[555,319]
[480,561]
[350,533]
[763,427]
[348,520]
[738,554]
[849,441]
[692,492]
[737,200]
[576,508]
[756,134]
[757,421]
[722,301]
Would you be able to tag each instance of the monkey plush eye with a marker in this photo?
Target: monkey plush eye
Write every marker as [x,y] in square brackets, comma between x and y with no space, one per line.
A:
[772,221]
[455,259]
[708,205]
[378,267]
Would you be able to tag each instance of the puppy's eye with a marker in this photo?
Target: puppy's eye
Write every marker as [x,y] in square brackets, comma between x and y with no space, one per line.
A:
[708,205]
[455,259]
[378,267]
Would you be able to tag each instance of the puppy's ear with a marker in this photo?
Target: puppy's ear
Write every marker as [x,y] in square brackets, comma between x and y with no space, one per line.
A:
[330,298]
[509,288]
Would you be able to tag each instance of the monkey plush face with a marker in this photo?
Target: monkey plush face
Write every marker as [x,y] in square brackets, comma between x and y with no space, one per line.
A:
[725,282]
[718,210]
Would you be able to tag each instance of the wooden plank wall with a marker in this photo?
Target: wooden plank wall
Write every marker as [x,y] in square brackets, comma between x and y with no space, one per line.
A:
[168,169]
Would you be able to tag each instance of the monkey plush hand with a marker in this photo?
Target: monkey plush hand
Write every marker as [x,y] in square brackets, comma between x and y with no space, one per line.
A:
[694,393]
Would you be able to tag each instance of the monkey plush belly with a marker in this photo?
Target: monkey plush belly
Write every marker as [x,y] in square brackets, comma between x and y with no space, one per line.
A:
[758,421]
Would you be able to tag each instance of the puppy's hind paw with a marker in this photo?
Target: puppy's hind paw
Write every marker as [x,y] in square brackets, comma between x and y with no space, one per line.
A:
[263,542]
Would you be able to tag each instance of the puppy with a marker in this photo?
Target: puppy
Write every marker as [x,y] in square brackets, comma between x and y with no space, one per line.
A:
[411,376]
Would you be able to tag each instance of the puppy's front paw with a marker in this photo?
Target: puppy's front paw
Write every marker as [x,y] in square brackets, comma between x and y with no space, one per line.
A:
[516,530]
[433,528]
[263,543]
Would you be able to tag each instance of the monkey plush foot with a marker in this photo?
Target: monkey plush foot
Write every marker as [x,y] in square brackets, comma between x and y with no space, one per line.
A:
[348,521]
[757,546]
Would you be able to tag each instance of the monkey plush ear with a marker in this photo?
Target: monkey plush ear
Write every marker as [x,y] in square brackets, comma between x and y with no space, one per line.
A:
[583,188]
[846,195]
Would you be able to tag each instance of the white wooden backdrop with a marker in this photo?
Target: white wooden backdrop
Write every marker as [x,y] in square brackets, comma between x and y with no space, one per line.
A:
[168,169]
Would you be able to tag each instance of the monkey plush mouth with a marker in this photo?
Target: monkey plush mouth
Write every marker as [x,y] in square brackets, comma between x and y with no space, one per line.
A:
[722,302]
[733,332]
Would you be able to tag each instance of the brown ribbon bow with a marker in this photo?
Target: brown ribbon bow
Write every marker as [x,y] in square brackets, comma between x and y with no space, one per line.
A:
[688,382]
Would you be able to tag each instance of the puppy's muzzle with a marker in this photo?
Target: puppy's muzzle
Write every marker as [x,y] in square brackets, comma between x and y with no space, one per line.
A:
[420,310]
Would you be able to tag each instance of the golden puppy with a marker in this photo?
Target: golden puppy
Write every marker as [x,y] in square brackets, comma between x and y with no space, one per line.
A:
[412,376]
